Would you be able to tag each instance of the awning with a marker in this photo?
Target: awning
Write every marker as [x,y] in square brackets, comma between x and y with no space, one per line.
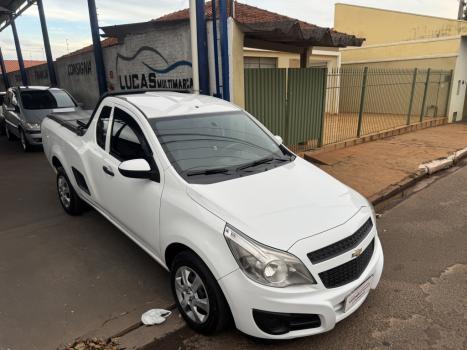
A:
[12,7]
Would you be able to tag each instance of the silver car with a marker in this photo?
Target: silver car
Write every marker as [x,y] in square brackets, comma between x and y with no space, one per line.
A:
[24,108]
[2,118]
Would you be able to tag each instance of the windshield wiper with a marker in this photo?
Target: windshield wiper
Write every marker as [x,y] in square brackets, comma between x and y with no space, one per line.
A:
[208,172]
[262,161]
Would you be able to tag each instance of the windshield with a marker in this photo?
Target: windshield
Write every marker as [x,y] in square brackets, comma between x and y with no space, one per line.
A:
[216,147]
[46,99]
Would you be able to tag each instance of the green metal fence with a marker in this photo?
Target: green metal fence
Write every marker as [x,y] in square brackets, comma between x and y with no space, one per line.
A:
[289,102]
[362,101]
[312,107]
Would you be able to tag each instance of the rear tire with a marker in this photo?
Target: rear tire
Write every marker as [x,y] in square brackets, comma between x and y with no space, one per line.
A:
[197,294]
[24,141]
[67,196]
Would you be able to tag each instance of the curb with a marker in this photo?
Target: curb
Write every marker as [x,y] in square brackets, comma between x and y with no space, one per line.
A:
[425,170]
[377,136]
[443,163]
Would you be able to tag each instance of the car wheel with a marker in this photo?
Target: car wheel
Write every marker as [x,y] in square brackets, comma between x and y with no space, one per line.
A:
[69,200]
[24,141]
[8,134]
[198,295]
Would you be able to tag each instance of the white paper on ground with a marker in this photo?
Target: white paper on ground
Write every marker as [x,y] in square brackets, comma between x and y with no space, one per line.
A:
[155,316]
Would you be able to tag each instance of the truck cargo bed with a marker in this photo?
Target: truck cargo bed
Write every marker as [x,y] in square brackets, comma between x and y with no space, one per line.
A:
[74,121]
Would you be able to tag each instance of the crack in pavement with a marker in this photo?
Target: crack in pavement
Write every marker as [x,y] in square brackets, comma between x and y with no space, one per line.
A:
[445,328]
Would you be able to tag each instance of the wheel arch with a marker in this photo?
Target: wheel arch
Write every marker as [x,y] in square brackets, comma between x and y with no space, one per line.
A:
[173,250]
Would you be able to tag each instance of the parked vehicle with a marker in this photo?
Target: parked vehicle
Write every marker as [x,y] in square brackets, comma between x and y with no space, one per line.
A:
[2,118]
[247,229]
[26,107]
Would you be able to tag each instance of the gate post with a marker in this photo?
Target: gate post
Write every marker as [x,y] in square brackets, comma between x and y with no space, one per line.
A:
[323,114]
[427,84]
[448,98]
[412,94]
[362,102]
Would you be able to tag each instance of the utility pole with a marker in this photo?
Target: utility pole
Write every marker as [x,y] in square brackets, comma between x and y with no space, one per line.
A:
[460,14]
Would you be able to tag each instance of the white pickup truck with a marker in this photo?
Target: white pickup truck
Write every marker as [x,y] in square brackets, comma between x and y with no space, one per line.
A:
[248,230]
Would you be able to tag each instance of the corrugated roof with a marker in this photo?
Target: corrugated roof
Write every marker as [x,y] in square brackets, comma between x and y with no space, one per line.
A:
[256,23]
[271,26]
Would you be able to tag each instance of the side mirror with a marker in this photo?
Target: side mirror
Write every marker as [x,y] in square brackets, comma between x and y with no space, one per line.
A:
[80,104]
[137,169]
[279,139]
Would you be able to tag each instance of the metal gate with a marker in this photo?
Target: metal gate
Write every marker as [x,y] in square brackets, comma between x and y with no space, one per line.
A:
[289,102]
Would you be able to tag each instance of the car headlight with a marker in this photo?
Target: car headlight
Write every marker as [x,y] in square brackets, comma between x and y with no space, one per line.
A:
[266,265]
[33,126]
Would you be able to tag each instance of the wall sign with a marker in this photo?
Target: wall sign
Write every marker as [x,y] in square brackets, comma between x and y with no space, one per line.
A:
[147,68]
[80,68]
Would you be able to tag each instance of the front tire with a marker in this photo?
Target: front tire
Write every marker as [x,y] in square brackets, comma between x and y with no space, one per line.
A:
[198,295]
[69,200]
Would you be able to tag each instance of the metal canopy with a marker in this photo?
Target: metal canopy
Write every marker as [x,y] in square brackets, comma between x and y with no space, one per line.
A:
[12,8]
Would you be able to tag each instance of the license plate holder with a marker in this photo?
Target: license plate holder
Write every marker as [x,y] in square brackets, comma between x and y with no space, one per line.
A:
[357,294]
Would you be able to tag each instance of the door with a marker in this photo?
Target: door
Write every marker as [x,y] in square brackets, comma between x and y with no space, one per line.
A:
[134,203]
[12,116]
[97,153]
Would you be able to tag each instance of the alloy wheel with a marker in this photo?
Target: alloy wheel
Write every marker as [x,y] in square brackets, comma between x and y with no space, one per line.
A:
[192,295]
[64,191]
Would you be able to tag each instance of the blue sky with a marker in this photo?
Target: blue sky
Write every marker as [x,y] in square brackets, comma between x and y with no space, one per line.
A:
[69,26]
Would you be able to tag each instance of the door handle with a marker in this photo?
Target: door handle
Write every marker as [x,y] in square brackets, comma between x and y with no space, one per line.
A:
[108,170]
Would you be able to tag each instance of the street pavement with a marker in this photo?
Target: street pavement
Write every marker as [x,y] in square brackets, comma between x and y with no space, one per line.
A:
[374,167]
[421,301]
[63,277]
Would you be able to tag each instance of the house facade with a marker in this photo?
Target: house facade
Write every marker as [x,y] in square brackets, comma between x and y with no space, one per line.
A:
[408,41]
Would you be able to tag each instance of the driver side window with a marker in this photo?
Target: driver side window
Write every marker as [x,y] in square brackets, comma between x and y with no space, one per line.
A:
[127,140]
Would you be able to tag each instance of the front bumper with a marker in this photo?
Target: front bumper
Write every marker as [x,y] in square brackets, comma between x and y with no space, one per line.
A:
[34,137]
[244,296]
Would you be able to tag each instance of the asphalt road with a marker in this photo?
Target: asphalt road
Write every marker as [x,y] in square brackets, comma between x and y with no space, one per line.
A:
[63,277]
[421,302]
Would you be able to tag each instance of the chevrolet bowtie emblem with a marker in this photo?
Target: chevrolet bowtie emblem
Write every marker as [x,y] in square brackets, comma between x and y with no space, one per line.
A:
[357,253]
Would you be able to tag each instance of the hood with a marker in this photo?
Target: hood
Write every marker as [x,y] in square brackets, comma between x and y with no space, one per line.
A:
[37,115]
[283,205]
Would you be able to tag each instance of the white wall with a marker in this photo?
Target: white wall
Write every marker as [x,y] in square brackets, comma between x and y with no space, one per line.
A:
[459,84]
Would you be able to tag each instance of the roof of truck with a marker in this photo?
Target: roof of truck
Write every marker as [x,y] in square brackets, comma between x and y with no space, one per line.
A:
[159,104]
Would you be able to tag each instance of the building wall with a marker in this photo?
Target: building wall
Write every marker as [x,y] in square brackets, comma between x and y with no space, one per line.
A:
[237,79]
[404,51]
[441,63]
[77,75]
[156,59]
[380,26]
[284,59]
[457,110]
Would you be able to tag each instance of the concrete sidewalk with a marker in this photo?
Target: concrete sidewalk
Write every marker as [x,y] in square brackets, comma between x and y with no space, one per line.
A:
[376,167]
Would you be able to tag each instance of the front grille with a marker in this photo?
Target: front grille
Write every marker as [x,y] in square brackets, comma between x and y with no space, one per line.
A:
[336,249]
[348,272]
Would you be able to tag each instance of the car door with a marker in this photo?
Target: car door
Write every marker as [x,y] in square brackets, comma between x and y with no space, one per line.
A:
[96,153]
[134,203]
[12,114]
